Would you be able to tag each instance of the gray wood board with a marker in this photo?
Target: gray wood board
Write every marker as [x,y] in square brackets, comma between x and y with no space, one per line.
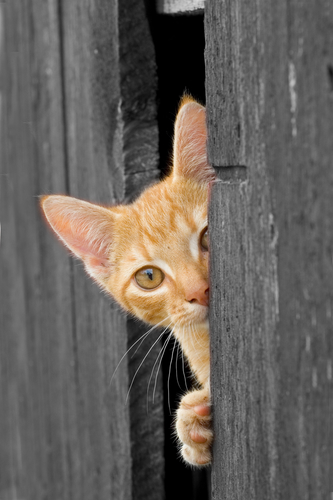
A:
[180,6]
[66,432]
[147,420]
[270,108]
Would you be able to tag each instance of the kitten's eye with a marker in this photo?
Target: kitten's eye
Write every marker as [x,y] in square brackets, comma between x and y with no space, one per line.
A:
[149,277]
[204,239]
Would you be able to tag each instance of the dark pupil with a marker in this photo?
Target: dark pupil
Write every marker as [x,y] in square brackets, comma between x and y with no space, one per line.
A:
[149,273]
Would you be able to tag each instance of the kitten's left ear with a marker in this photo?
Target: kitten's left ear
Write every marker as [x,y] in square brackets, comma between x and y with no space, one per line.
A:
[86,229]
[189,148]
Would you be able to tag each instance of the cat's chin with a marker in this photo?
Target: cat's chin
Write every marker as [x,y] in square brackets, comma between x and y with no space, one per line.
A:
[203,325]
[201,314]
[198,317]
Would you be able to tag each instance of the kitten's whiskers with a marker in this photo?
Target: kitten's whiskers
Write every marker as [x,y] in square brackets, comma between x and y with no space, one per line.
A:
[152,371]
[137,370]
[162,352]
[142,338]
[183,365]
[197,339]
[176,341]
[149,331]
[169,374]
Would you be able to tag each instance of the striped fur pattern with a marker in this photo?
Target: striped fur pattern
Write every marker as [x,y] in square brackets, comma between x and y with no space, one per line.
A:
[162,229]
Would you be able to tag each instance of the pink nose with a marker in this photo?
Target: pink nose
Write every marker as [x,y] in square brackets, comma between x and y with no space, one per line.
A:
[198,295]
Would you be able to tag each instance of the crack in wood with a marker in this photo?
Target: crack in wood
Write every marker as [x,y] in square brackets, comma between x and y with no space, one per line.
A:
[231,174]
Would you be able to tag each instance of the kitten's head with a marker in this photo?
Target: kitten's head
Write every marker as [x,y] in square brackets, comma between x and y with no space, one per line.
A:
[151,255]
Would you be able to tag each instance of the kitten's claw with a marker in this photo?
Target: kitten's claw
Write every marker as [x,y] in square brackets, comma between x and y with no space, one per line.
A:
[194,427]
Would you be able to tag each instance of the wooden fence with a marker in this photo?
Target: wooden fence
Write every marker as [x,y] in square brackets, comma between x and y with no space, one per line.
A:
[270,115]
[78,116]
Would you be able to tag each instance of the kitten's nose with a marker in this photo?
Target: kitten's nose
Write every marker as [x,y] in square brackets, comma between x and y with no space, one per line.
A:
[199,295]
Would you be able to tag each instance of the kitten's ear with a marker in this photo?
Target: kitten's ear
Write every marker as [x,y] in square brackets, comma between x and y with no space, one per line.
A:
[189,147]
[86,229]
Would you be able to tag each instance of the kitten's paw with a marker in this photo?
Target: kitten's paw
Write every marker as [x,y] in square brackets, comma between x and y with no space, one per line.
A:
[193,426]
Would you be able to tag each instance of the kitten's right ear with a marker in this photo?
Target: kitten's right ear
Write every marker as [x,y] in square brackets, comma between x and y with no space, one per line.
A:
[190,137]
[86,229]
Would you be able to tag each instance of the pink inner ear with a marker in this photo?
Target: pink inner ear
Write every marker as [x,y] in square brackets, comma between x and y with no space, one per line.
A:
[94,252]
[86,229]
[190,155]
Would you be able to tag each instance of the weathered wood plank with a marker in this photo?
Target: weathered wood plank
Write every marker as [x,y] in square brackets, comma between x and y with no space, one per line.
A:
[138,88]
[36,323]
[147,422]
[112,138]
[180,6]
[222,85]
[91,96]
[268,70]
[66,433]
[243,385]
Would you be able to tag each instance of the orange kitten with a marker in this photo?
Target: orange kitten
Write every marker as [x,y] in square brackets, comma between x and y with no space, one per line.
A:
[152,257]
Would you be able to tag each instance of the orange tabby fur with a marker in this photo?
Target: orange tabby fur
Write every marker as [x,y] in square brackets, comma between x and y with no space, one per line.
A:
[162,228]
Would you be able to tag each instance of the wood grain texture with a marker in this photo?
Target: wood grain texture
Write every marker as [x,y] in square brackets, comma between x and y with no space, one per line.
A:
[243,385]
[147,420]
[270,108]
[115,107]
[138,87]
[180,6]
[65,430]
[35,284]
[101,443]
